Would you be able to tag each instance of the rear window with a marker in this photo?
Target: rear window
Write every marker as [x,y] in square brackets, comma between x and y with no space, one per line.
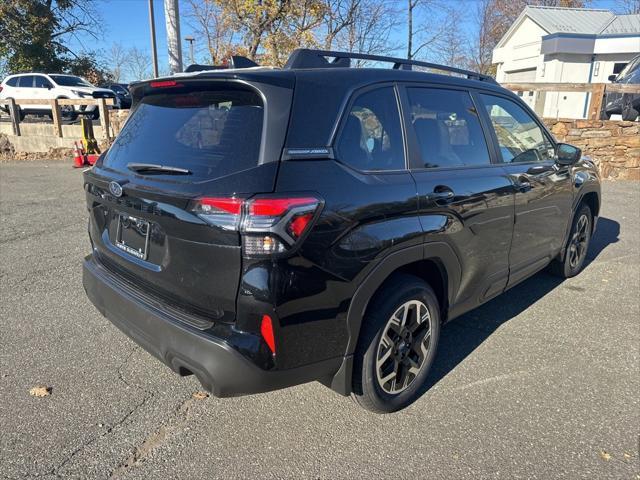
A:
[210,133]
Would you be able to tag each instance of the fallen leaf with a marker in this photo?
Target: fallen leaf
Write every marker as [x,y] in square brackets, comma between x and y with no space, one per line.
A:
[40,391]
[605,455]
[200,395]
[627,455]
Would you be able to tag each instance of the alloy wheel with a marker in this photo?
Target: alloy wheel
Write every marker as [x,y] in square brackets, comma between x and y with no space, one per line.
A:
[403,347]
[579,242]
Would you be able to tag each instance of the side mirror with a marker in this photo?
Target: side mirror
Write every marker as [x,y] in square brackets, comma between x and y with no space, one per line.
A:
[567,154]
[612,78]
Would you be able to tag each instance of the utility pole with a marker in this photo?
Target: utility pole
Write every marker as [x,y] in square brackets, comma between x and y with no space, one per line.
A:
[174,44]
[154,50]
[190,39]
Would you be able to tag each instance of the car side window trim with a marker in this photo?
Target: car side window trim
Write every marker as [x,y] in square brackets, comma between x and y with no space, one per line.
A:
[414,157]
[344,114]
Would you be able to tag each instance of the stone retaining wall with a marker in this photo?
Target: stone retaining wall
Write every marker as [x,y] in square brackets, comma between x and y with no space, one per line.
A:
[613,145]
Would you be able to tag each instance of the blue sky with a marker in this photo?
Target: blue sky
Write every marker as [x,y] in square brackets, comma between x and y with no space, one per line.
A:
[127,22]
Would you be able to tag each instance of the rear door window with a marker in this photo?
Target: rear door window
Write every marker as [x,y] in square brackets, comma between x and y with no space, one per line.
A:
[42,82]
[13,82]
[211,133]
[447,128]
[371,138]
[26,81]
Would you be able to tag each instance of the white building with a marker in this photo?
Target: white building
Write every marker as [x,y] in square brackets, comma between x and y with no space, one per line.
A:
[565,45]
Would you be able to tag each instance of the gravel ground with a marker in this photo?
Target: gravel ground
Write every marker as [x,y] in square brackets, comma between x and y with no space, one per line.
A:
[542,382]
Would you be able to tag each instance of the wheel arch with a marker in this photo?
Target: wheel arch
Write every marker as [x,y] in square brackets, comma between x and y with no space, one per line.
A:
[435,262]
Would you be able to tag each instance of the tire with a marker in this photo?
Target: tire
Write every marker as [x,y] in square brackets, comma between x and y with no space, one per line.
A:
[577,247]
[629,114]
[67,113]
[407,344]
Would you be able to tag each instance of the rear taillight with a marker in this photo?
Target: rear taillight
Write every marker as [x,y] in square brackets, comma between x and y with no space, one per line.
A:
[269,225]
[0,88]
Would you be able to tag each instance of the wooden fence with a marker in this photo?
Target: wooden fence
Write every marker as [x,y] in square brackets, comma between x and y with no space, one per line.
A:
[597,92]
[56,115]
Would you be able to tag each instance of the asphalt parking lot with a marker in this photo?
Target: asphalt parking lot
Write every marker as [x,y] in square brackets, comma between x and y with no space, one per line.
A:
[542,382]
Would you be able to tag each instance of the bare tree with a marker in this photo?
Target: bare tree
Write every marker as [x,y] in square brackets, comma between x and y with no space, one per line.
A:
[437,17]
[451,47]
[116,61]
[138,63]
[370,30]
[338,15]
[213,23]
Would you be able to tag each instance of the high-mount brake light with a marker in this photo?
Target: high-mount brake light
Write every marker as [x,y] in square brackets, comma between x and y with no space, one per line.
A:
[165,84]
[269,225]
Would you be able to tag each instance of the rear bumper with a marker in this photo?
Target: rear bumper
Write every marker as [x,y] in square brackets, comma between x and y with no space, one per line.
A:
[220,368]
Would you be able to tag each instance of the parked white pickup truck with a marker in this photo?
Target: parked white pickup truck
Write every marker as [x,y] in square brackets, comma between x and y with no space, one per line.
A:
[51,86]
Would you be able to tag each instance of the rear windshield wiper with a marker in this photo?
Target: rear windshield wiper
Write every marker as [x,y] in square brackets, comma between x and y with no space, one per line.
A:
[152,168]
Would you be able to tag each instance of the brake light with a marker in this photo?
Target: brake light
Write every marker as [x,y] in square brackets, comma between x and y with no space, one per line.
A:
[0,88]
[299,224]
[225,212]
[165,84]
[268,225]
[229,205]
[277,206]
[266,330]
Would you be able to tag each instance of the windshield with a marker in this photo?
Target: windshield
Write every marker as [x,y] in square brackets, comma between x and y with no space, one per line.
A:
[119,89]
[70,81]
[211,133]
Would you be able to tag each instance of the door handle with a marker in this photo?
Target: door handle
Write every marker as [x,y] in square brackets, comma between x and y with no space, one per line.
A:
[523,184]
[441,192]
[538,169]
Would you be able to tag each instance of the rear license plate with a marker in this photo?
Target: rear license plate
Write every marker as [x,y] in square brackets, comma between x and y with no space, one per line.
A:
[133,236]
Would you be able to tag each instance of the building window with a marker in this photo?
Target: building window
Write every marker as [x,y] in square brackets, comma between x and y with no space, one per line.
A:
[618,67]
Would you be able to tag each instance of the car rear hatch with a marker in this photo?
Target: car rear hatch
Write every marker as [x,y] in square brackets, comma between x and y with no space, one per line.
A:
[187,139]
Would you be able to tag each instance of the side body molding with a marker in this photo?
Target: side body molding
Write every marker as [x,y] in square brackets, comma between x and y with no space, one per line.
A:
[440,252]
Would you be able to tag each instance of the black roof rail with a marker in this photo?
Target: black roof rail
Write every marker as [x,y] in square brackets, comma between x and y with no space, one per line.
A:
[308,58]
[235,61]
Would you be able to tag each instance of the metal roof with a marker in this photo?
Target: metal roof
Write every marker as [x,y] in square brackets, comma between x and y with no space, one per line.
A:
[579,21]
[570,20]
[623,24]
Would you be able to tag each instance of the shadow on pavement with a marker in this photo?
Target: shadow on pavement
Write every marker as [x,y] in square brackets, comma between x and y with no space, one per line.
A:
[463,335]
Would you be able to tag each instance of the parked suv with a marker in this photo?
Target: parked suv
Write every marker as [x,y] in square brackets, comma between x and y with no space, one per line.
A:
[263,228]
[625,104]
[37,86]
[122,94]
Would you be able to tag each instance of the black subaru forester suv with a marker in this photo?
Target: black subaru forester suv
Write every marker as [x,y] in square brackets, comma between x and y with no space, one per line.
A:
[261,228]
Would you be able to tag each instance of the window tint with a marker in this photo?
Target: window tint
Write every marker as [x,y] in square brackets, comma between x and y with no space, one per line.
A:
[447,128]
[26,81]
[519,136]
[371,138]
[42,82]
[13,82]
[212,133]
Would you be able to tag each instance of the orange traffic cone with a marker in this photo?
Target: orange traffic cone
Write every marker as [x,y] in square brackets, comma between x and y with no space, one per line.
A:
[78,157]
